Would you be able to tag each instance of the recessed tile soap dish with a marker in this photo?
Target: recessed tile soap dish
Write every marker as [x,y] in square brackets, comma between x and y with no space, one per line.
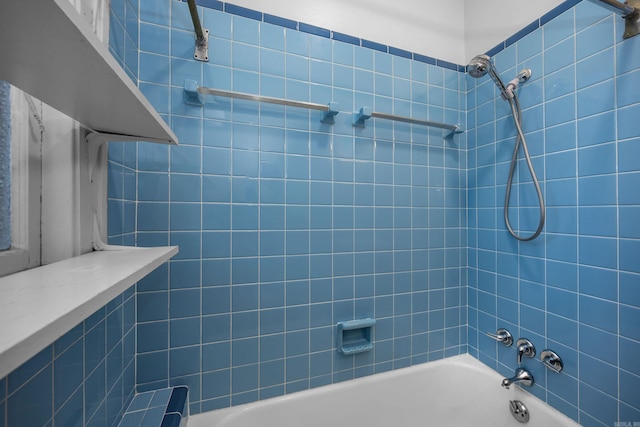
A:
[355,336]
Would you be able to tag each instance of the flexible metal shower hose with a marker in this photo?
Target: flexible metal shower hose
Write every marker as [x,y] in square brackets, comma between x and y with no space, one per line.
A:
[520,139]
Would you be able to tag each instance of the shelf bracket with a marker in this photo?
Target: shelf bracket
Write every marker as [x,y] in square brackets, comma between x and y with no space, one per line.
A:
[98,244]
[100,137]
[96,143]
[97,139]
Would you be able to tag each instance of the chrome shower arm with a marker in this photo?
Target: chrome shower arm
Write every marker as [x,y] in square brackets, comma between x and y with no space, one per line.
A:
[197,27]
[202,34]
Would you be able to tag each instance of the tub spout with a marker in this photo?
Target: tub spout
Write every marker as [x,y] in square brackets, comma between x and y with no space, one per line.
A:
[522,377]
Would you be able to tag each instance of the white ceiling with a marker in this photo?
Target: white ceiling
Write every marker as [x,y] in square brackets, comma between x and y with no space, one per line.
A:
[453,30]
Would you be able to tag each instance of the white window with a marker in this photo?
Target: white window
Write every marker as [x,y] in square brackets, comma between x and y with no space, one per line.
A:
[25,130]
[5,166]
[51,205]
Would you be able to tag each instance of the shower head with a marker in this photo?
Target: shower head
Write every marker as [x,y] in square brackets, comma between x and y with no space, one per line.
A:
[479,66]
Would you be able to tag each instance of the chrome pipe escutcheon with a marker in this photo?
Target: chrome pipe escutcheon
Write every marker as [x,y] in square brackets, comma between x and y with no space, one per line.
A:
[551,360]
[525,348]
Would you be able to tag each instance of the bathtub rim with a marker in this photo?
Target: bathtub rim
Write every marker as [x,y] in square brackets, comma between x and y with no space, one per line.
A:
[215,417]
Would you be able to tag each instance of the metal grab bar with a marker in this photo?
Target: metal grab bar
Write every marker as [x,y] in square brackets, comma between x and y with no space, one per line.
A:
[365,113]
[453,128]
[193,96]
[260,98]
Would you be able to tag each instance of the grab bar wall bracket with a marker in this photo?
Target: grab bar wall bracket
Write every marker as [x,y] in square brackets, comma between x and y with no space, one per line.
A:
[632,20]
[629,10]
[328,116]
[191,95]
[360,116]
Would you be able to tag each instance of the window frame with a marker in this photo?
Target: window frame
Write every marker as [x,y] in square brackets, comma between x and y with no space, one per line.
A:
[26,183]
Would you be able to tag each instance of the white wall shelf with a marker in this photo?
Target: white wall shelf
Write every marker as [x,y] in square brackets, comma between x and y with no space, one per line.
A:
[49,51]
[40,305]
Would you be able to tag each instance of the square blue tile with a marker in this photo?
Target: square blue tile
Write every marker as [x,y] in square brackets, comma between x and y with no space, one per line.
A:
[559,56]
[595,38]
[244,378]
[216,328]
[184,361]
[272,373]
[625,128]
[185,332]
[216,384]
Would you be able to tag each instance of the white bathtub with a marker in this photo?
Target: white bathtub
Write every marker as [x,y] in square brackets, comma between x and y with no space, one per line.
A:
[458,391]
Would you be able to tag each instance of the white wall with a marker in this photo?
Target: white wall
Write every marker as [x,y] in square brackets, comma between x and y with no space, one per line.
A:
[429,27]
[453,30]
[488,22]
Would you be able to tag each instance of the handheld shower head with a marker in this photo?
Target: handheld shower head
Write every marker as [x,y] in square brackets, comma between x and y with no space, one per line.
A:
[479,66]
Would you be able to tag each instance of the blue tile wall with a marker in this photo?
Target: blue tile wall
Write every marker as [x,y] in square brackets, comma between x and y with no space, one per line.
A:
[287,225]
[121,194]
[124,29]
[575,288]
[86,377]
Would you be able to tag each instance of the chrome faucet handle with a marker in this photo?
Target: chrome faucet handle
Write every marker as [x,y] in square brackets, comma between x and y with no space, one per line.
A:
[525,348]
[503,336]
[551,360]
